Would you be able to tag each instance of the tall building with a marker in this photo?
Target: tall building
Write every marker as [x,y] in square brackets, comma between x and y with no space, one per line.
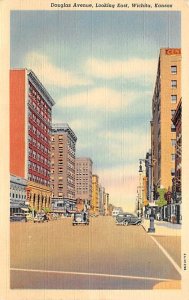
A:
[30,127]
[63,146]
[101,199]
[106,204]
[95,194]
[177,193]
[83,176]
[167,93]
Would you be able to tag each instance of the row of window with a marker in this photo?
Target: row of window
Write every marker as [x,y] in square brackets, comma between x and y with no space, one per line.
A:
[38,121]
[34,129]
[41,148]
[37,179]
[38,169]
[39,135]
[17,196]
[40,110]
[82,164]
[39,157]
[39,100]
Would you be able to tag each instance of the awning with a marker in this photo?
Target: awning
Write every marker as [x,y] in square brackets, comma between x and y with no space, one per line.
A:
[25,209]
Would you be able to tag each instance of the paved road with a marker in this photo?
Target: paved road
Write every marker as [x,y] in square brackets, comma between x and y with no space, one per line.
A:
[57,255]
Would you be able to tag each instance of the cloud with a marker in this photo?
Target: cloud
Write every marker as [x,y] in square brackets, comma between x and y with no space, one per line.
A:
[104,99]
[131,68]
[50,74]
[111,150]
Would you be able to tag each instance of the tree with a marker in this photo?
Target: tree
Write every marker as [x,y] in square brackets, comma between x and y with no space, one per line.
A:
[161,199]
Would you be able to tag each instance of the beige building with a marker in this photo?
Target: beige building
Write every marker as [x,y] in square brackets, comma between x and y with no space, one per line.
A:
[63,145]
[167,93]
[95,194]
[83,176]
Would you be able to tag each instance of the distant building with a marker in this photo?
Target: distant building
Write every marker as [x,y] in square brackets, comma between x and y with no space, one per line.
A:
[95,194]
[63,147]
[167,93]
[83,178]
[106,204]
[101,200]
[30,127]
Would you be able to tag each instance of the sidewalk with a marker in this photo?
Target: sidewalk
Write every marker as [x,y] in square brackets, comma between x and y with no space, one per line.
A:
[163,228]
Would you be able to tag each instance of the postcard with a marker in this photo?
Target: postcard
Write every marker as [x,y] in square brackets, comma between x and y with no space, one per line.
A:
[94,162]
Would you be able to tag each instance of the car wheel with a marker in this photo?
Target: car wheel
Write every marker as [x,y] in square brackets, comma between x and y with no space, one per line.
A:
[139,223]
[126,223]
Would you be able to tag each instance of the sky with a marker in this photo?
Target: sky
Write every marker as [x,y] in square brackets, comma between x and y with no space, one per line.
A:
[100,69]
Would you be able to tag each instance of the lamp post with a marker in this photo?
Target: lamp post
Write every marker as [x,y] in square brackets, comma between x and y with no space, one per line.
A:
[140,188]
[151,203]
[149,163]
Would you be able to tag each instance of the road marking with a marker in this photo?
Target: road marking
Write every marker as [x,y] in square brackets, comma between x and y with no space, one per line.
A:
[91,274]
[167,255]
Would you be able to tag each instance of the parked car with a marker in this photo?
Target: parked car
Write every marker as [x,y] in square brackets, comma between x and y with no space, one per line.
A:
[80,218]
[127,219]
[18,217]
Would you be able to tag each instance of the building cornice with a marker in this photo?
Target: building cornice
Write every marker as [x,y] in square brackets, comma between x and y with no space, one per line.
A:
[39,86]
[62,128]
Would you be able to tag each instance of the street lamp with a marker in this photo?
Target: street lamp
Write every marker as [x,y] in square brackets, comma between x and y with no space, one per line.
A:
[150,163]
[140,207]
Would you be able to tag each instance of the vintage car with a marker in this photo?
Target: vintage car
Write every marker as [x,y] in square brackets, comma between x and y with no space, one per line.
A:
[18,217]
[127,219]
[80,218]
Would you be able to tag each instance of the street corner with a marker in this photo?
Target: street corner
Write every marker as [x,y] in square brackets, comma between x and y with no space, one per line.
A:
[168,285]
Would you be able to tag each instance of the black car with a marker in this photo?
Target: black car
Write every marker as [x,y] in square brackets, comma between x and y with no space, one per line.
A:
[18,217]
[127,219]
[81,218]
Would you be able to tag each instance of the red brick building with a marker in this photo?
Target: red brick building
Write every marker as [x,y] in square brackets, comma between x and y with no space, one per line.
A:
[30,129]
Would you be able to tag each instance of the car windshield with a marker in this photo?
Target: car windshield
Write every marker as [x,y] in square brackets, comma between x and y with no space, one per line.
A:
[77,215]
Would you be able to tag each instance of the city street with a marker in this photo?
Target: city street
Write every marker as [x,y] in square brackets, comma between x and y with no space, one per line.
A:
[57,255]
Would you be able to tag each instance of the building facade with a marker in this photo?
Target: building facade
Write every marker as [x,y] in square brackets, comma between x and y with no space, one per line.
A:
[83,177]
[176,191]
[63,147]
[30,127]
[167,93]
[106,204]
[101,200]
[95,194]
[18,198]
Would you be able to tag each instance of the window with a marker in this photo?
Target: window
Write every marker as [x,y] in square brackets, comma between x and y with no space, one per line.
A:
[173,172]
[173,142]
[173,157]
[172,112]
[174,84]
[173,128]
[173,98]
[173,69]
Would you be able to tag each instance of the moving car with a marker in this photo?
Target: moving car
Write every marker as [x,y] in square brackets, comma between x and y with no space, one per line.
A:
[80,218]
[127,219]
